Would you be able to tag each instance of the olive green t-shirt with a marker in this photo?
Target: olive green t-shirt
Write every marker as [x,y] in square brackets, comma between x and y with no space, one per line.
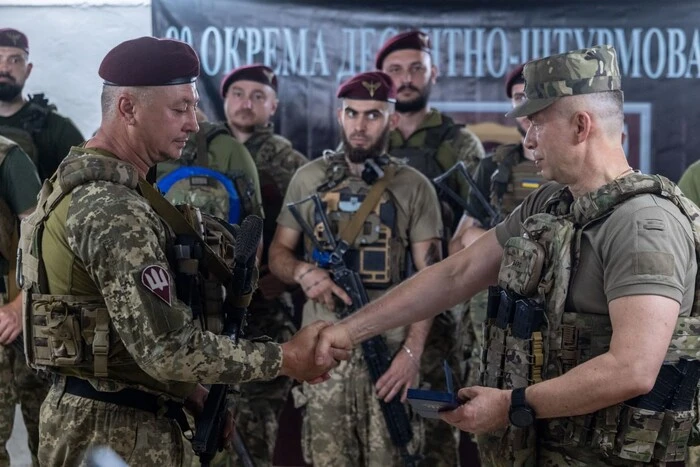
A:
[417,212]
[644,247]
[19,182]
[53,142]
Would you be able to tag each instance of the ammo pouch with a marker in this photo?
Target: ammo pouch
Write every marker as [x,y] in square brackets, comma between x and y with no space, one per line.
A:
[521,266]
[630,433]
[69,331]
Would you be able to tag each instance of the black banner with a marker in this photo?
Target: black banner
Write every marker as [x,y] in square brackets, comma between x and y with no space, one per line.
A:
[314,46]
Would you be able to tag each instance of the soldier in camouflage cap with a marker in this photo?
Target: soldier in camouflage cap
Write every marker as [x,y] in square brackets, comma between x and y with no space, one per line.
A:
[99,251]
[585,71]
[594,301]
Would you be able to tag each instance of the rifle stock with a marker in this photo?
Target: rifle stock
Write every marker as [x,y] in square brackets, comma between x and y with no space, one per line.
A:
[461,168]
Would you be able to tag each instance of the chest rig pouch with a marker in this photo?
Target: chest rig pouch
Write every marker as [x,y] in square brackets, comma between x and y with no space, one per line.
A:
[72,335]
[376,252]
[655,427]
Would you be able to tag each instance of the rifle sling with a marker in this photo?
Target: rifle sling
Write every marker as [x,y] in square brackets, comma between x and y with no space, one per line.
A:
[357,221]
[202,156]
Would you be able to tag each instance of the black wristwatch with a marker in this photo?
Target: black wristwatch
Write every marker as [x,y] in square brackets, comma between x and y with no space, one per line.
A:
[520,414]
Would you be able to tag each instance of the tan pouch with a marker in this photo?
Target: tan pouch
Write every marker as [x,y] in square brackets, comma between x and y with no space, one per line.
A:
[637,433]
[672,442]
[517,362]
[57,337]
[521,266]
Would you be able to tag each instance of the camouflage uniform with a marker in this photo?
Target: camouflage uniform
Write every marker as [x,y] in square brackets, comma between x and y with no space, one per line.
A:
[343,422]
[433,148]
[565,259]
[44,134]
[18,383]
[91,220]
[261,402]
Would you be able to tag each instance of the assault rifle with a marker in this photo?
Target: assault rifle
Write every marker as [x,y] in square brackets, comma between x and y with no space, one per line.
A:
[209,425]
[375,351]
[461,169]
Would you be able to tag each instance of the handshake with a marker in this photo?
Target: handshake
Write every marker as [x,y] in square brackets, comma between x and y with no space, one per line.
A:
[315,350]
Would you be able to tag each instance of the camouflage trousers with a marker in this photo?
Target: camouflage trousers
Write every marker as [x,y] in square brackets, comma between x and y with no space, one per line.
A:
[441,439]
[19,384]
[471,337]
[343,423]
[72,425]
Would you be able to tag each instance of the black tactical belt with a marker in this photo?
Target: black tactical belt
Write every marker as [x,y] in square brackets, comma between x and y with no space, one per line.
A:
[132,398]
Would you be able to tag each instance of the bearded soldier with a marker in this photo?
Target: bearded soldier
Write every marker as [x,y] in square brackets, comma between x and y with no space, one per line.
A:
[391,209]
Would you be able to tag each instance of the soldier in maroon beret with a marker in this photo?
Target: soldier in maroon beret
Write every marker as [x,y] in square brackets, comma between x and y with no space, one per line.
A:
[343,418]
[99,219]
[431,142]
[250,102]
[31,121]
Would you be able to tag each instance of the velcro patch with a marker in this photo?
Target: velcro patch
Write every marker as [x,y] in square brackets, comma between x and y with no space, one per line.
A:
[657,263]
[157,279]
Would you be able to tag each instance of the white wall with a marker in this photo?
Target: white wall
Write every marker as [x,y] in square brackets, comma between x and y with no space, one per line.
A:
[67,41]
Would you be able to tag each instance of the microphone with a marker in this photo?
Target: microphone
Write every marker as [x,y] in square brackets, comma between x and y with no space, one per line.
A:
[247,242]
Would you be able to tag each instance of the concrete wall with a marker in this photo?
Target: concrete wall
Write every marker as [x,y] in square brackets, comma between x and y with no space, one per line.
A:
[67,41]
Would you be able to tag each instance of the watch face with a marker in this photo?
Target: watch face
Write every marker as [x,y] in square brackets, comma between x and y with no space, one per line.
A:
[521,417]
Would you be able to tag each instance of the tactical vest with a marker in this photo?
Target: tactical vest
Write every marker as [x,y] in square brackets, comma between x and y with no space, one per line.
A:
[514,178]
[530,337]
[32,123]
[74,335]
[195,183]
[425,157]
[377,253]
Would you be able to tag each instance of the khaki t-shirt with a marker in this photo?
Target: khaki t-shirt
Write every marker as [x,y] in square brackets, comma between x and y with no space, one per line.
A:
[644,247]
[417,212]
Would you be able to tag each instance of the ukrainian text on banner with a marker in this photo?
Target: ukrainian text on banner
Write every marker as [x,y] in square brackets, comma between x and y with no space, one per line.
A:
[313,46]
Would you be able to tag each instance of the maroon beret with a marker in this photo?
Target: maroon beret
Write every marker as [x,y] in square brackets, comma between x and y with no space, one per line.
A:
[514,77]
[13,38]
[256,72]
[415,40]
[373,85]
[148,61]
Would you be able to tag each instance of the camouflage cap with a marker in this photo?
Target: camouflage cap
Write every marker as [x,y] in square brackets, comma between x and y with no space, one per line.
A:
[583,71]
[13,38]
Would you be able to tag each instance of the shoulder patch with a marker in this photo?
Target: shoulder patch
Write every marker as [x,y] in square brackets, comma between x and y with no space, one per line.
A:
[157,279]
